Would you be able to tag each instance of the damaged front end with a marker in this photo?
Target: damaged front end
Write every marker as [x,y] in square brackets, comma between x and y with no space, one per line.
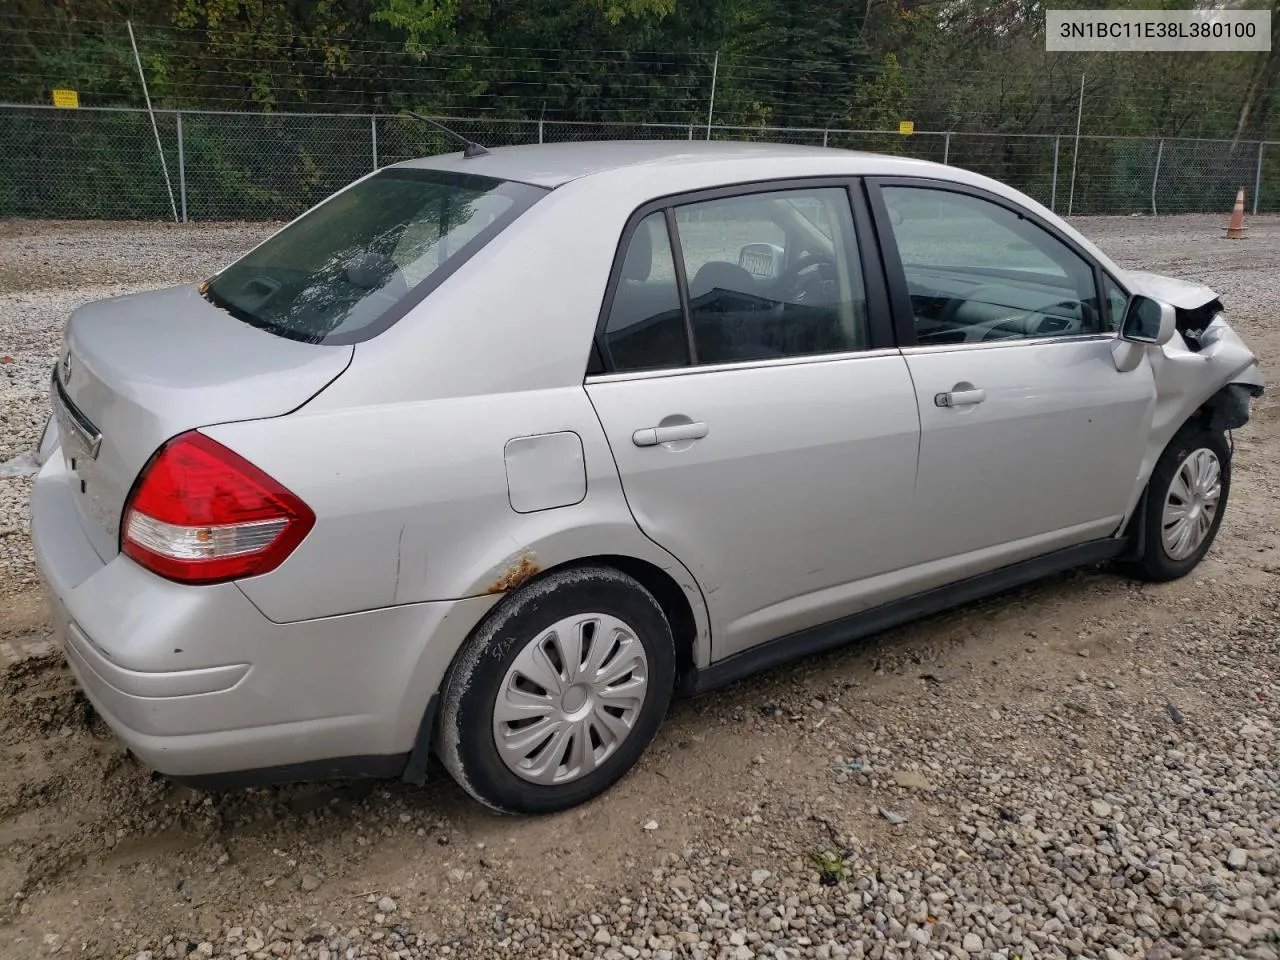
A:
[1207,371]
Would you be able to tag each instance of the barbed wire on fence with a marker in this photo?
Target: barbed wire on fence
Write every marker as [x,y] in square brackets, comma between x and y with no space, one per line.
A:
[222,69]
[228,165]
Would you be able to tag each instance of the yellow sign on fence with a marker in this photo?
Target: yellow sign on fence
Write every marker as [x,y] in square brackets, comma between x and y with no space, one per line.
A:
[66,98]
[906,127]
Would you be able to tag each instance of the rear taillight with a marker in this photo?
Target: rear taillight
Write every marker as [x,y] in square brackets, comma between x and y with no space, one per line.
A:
[203,514]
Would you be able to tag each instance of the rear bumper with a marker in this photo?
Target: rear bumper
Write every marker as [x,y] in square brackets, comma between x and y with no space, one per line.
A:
[200,685]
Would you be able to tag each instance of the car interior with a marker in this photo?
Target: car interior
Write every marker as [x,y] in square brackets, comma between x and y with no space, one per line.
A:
[976,273]
[958,304]
[772,301]
[646,328]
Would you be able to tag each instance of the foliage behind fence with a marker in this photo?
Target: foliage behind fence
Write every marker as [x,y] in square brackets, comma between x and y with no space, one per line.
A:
[103,163]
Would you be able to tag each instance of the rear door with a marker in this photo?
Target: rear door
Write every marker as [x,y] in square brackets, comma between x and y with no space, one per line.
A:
[763,424]
[1031,439]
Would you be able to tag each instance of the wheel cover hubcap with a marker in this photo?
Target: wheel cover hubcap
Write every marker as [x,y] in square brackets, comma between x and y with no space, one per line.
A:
[570,698]
[1191,504]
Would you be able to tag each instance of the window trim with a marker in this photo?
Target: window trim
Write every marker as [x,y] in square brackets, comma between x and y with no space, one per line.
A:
[655,373]
[1128,294]
[895,273]
[682,285]
[879,318]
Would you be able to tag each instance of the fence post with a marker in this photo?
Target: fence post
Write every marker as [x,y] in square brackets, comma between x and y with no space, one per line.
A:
[691,131]
[1075,154]
[946,149]
[711,106]
[1257,177]
[146,95]
[824,137]
[182,167]
[1053,190]
[1155,178]
[373,138]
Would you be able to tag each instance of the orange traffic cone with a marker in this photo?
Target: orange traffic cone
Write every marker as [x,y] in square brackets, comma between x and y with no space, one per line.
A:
[1235,226]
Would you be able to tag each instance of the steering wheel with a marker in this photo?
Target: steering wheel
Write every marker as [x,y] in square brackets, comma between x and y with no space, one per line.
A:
[797,288]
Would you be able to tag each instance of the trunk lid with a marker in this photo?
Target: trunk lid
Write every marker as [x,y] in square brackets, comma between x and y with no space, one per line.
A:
[139,369]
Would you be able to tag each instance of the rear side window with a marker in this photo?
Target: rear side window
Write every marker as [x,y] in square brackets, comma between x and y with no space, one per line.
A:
[767,274]
[645,329]
[773,275]
[351,267]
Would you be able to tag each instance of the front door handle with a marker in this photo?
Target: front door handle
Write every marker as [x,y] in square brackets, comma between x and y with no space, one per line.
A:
[959,398]
[652,436]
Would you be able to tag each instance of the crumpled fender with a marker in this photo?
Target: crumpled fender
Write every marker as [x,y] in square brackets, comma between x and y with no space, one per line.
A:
[1183,294]
[1187,379]
[1218,344]
[1204,365]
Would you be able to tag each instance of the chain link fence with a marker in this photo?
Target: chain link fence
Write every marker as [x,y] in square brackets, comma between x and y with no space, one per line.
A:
[102,163]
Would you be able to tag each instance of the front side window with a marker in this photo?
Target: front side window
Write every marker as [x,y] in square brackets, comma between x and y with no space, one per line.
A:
[336,274]
[976,271]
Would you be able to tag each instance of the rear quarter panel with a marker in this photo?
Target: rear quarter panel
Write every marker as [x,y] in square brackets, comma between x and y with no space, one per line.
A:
[412,503]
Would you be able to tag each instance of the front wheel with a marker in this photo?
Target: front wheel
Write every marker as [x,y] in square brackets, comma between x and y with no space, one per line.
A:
[558,692]
[1186,498]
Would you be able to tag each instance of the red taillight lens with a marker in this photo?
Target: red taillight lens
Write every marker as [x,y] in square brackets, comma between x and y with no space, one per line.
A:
[203,514]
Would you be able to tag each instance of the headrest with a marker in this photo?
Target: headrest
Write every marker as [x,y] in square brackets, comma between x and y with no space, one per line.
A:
[370,270]
[639,261]
[721,275]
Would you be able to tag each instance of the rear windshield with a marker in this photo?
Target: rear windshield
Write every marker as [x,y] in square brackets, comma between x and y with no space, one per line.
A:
[351,267]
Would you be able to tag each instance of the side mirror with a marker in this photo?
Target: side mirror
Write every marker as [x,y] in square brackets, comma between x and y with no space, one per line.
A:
[1147,321]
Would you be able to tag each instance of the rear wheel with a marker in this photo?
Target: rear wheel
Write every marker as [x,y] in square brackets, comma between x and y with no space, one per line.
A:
[559,691]
[1186,498]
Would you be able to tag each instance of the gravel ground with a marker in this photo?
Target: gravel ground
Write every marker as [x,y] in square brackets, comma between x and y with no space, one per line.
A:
[1083,768]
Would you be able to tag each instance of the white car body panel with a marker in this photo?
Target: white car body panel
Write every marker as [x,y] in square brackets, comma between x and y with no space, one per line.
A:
[1185,379]
[443,527]
[798,493]
[826,486]
[1180,293]
[1051,452]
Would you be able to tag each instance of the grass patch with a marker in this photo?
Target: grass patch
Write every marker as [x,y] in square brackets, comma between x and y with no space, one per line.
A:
[831,867]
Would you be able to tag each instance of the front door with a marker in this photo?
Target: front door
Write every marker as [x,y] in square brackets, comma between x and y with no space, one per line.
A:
[765,433]
[1031,439]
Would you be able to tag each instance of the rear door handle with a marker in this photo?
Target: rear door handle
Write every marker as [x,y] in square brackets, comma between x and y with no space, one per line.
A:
[959,398]
[652,436]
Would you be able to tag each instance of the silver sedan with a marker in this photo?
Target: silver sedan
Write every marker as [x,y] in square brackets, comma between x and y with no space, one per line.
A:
[489,455]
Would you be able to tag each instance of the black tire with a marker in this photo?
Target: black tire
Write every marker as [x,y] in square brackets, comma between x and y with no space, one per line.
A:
[465,738]
[1154,563]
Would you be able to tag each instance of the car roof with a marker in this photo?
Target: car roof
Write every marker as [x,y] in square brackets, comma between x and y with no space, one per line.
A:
[554,164]
[644,169]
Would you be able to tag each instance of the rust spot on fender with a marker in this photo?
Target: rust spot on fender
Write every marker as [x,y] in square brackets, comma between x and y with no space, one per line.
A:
[519,569]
